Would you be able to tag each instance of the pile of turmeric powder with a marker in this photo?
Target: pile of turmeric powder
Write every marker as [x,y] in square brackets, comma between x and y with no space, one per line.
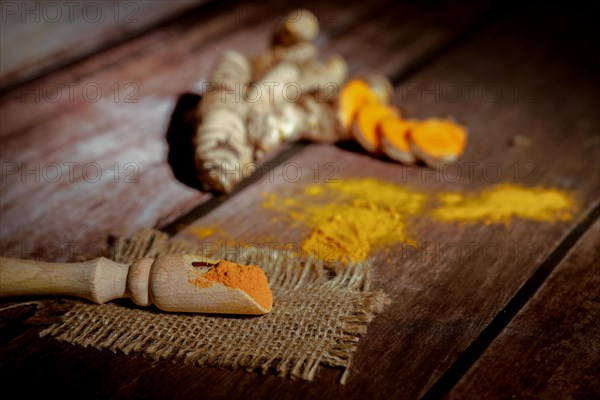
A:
[350,218]
[503,202]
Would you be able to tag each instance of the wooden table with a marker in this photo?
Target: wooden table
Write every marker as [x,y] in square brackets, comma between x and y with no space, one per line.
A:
[92,99]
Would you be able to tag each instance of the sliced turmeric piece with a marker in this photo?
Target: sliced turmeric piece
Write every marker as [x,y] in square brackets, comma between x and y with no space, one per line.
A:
[355,94]
[395,142]
[366,128]
[438,141]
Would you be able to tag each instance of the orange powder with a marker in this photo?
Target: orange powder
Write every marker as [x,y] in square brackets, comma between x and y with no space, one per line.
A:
[249,278]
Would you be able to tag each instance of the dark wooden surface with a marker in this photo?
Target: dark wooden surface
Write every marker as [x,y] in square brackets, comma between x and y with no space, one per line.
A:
[38,37]
[550,349]
[533,73]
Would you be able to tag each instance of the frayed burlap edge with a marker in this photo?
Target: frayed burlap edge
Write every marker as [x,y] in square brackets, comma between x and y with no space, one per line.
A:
[318,316]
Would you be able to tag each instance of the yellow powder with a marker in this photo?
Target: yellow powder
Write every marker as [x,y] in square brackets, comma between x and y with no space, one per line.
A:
[314,190]
[203,232]
[217,233]
[348,232]
[504,202]
[349,218]
[357,215]
[290,202]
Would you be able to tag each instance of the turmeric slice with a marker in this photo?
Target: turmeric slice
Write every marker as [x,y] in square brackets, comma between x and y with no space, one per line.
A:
[355,94]
[395,142]
[367,125]
[438,141]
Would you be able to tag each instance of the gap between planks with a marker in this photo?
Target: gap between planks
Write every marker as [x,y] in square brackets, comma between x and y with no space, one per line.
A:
[465,361]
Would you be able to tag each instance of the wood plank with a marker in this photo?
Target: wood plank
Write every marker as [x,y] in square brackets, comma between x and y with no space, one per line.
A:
[549,349]
[440,302]
[40,36]
[129,136]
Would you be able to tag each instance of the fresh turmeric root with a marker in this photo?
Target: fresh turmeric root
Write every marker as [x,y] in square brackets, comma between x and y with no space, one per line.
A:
[255,103]
[299,54]
[298,26]
[222,149]
[321,76]
[286,93]
[319,120]
[223,153]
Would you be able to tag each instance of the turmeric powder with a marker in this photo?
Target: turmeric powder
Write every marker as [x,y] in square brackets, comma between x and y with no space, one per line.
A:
[504,202]
[249,278]
[204,231]
[349,232]
[360,214]
[350,218]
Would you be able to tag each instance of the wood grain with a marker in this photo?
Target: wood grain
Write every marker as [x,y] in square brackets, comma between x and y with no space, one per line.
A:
[38,37]
[548,350]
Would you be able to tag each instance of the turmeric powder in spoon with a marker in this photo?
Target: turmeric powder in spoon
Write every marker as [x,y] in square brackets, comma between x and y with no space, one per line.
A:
[248,278]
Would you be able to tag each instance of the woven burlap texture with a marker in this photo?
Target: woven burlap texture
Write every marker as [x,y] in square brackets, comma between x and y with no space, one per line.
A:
[317,318]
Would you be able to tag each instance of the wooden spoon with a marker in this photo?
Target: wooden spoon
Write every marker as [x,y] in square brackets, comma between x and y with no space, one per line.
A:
[171,282]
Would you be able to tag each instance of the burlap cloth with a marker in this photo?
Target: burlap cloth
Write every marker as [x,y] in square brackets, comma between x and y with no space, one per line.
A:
[317,318]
